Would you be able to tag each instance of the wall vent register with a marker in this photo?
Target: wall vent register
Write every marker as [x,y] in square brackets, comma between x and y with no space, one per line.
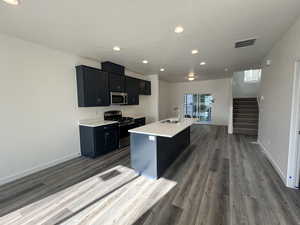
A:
[245,43]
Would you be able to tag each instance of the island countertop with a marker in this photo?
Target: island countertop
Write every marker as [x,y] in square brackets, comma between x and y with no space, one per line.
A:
[163,129]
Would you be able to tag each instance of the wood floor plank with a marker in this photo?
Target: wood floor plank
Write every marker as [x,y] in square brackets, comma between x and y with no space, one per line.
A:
[221,179]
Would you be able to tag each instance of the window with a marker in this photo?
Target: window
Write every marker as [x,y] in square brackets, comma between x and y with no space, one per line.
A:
[252,76]
[198,106]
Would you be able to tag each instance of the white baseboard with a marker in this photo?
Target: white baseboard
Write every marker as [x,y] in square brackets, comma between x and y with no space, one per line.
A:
[273,162]
[37,168]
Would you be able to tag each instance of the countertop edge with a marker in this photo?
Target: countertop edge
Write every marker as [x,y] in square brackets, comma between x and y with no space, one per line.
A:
[154,134]
[97,124]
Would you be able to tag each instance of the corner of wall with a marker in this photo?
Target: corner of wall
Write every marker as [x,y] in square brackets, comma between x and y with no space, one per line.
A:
[273,162]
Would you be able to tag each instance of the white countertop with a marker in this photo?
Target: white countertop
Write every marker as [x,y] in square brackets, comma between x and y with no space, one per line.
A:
[95,122]
[163,129]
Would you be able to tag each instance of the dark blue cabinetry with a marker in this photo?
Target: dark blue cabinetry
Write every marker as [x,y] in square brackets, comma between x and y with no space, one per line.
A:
[97,141]
[92,86]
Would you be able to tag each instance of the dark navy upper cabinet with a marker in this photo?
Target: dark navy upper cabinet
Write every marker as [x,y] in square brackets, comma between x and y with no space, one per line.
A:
[92,87]
[144,87]
[116,83]
[132,89]
[113,68]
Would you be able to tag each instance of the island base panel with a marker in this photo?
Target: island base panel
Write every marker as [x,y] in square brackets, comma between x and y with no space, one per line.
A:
[151,156]
[143,155]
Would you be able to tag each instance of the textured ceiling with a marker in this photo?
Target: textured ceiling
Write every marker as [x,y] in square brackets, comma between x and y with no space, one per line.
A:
[145,30]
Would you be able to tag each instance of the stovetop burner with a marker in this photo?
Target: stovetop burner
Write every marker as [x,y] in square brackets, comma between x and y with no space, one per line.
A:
[116,115]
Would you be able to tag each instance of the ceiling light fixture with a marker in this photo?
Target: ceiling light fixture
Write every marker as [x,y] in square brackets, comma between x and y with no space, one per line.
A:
[194,51]
[116,48]
[162,70]
[178,29]
[13,2]
[145,61]
[191,74]
[202,63]
[191,78]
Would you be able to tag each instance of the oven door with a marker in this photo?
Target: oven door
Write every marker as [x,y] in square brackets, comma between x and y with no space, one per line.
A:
[118,98]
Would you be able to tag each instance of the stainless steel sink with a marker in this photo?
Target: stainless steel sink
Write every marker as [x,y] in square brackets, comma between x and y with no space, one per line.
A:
[170,121]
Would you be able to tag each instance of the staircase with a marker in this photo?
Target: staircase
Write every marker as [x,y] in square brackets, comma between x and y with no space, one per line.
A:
[245,116]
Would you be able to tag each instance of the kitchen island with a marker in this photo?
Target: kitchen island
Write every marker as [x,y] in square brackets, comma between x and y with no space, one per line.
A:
[154,147]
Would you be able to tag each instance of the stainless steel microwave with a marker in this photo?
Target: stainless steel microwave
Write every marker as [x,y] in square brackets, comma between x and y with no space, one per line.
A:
[118,98]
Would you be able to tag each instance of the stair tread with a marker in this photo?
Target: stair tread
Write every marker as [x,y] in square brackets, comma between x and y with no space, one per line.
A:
[246,129]
[245,123]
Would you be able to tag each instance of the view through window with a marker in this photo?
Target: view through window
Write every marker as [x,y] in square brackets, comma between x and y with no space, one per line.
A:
[252,76]
[198,106]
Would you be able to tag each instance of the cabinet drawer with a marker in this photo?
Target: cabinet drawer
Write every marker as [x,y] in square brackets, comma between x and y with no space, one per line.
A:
[140,122]
[111,126]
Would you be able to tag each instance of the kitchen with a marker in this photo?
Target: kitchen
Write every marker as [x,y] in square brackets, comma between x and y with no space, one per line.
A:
[99,136]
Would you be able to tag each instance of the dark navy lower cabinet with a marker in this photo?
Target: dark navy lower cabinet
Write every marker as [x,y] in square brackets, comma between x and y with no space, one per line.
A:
[140,122]
[97,141]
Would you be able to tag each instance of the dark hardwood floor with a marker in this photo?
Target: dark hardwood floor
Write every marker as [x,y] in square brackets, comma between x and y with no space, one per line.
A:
[222,179]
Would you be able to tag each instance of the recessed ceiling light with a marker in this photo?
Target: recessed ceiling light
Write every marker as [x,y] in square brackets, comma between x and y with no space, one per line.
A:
[226,69]
[178,29]
[13,2]
[145,61]
[116,48]
[162,70]
[191,78]
[194,51]
[202,63]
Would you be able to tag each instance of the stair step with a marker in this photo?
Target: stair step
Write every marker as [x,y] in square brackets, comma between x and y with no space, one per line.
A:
[245,131]
[246,125]
[245,99]
[247,110]
[248,106]
[245,120]
[245,115]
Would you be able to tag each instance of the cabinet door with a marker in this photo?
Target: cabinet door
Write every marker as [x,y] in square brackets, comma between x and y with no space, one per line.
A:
[99,141]
[147,88]
[144,87]
[92,86]
[96,88]
[132,89]
[111,139]
[103,90]
[117,83]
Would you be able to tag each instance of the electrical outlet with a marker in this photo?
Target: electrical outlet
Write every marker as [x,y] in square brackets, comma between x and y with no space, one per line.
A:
[151,138]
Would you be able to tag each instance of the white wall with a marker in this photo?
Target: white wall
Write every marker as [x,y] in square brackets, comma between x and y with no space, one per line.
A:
[165,106]
[39,114]
[220,90]
[241,89]
[276,88]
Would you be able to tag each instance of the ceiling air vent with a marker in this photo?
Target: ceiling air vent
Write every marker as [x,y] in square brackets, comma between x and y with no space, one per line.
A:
[245,43]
